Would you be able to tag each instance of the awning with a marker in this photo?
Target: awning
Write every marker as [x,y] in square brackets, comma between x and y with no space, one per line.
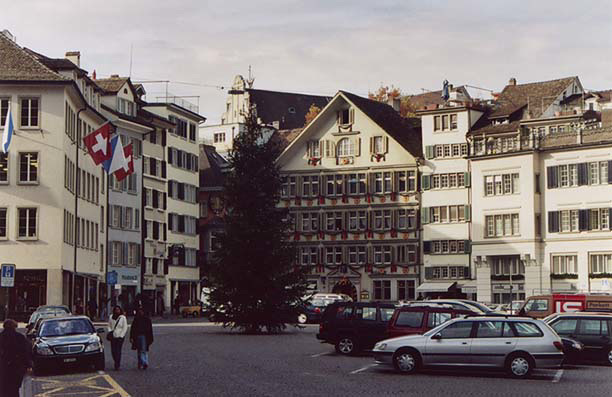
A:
[435,287]
[469,287]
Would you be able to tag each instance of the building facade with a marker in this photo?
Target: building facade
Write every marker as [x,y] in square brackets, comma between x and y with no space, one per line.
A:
[182,209]
[350,184]
[52,196]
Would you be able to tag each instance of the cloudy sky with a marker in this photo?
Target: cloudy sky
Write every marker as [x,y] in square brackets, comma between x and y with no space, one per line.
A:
[318,46]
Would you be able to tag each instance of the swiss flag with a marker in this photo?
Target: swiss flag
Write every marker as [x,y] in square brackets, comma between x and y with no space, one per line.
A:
[128,165]
[98,144]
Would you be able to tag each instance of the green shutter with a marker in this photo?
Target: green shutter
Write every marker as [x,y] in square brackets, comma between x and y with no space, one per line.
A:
[424,216]
[467,213]
[467,246]
[429,152]
[425,181]
[467,178]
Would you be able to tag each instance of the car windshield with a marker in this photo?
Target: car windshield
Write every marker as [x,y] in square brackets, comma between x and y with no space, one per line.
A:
[52,328]
[320,302]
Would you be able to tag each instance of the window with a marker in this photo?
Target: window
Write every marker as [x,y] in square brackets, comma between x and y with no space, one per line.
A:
[3,223]
[437,123]
[357,255]
[219,137]
[502,225]
[524,329]
[601,263]
[453,121]
[410,319]
[445,122]
[379,145]
[29,112]
[3,166]
[333,221]
[493,329]
[28,167]
[406,290]
[594,173]
[382,289]
[310,221]
[434,319]
[461,329]
[566,326]
[366,313]
[382,254]
[502,184]
[345,117]
[27,223]
[537,305]
[346,147]
[357,184]
[4,104]
[593,327]
[357,220]
[313,149]
[565,264]
[333,255]
[406,219]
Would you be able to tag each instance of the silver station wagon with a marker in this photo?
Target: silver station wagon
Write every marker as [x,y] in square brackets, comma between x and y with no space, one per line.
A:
[516,344]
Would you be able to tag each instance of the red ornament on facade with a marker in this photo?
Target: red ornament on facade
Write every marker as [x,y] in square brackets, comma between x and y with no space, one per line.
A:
[393,196]
[393,268]
[298,201]
[321,200]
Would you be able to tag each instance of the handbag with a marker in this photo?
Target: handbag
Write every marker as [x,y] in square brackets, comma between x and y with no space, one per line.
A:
[110,336]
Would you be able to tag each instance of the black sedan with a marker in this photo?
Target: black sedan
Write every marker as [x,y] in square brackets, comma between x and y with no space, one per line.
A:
[67,341]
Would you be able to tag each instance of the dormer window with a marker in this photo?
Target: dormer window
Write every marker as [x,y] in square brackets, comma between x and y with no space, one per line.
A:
[126,107]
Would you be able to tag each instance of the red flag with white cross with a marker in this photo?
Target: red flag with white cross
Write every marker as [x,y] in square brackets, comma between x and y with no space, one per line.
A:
[98,144]
[128,165]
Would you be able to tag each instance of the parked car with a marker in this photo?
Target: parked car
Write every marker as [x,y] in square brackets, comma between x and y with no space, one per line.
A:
[354,326]
[312,310]
[32,331]
[191,310]
[459,304]
[540,306]
[67,341]
[416,320]
[57,310]
[516,344]
[593,330]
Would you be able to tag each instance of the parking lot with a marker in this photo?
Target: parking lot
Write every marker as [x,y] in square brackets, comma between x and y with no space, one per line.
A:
[202,359]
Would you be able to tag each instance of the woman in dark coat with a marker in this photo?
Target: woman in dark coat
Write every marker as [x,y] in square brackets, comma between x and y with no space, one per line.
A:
[141,336]
[15,359]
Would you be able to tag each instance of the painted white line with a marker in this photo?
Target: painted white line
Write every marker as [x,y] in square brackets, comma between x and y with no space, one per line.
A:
[558,376]
[321,354]
[363,369]
[200,324]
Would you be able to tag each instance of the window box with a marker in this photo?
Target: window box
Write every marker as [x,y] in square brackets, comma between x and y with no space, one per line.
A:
[600,275]
[506,277]
[563,276]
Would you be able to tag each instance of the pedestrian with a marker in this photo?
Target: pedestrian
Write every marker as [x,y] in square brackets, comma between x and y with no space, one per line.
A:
[15,359]
[141,336]
[118,328]
[177,305]
[92,308]
[161,307]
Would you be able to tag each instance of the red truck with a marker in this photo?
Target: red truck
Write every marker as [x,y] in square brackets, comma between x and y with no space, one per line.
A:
[540,306]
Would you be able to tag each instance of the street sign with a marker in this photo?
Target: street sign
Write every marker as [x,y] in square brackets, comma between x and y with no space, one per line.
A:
[111,277]
[8,275]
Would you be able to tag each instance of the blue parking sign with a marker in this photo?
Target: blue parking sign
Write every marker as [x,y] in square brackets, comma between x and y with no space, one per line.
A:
[111,277]
[8,275]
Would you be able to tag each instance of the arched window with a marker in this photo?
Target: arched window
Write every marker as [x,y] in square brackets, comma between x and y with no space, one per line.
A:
[345,147]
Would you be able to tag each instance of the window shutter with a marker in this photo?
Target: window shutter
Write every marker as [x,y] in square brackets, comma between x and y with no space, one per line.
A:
[426,247]
[467,248]
[583,174]
[552,177]
[583,220]
[351,115]
[468,215]
[163,138]
[428,272]
[386,141]
[170,188]
[339,117]
[152,166]
[553,221]
[165,201]
[170,156]
[170,221]
[321,148]
[610,172]
[468,179]
[163,169]
[425,182]
[467,272]
[425,215]
[357,143]
[371,145]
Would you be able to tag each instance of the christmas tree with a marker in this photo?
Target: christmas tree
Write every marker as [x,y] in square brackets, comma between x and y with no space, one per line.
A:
[255,281]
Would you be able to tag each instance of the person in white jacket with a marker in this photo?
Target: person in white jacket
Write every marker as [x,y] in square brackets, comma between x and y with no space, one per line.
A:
[118,327]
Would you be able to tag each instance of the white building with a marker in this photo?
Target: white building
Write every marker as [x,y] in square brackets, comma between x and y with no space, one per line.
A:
[182,209]
[350,184]
[446,201]
[52,196]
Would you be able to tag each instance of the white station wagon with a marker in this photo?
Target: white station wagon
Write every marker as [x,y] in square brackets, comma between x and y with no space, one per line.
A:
[515,343]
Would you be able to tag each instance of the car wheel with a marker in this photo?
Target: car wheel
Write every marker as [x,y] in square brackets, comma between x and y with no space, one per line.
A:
[346,345]
[406,361]
[302,318]
[519,365]
[609,362]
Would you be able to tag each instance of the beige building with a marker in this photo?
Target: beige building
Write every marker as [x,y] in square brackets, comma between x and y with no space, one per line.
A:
[350,184]
[52,196]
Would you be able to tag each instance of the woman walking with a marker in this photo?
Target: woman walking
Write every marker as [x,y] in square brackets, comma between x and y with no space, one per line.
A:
[118,328]
[141,336]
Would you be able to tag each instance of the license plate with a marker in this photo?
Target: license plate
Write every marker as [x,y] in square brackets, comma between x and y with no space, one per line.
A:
[69,360]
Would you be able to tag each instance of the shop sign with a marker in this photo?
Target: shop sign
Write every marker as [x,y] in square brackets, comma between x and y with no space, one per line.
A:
[364,296]
[8,275]
[149,282]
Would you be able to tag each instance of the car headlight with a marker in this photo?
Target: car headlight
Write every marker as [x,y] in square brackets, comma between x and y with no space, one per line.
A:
[577,346]
[380,346]
[44,350]
[93,347]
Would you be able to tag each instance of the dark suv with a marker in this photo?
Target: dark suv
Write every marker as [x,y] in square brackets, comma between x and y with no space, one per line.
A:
[594,330]
[354,326]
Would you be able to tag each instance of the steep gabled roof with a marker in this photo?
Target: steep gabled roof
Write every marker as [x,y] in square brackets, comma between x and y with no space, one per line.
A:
[288,108]
[420,101]
[539,96]
[283,138]
[112,85]
[16,64]
[212,166]
[399,128]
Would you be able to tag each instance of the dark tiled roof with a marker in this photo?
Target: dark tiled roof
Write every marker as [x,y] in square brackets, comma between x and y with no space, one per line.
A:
[275,106]
[491,129]
[211,167]
[151,117]
[111,85]
[399,128]
[538,95]
[16,64]
[283,138]
[604,96]
[138,120]
[420,101]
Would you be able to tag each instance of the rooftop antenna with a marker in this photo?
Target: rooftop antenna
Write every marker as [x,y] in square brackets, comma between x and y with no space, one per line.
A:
[251,79]
[131,57]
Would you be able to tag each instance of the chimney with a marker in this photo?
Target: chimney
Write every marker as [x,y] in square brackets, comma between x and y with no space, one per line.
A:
[74,57]
[512,81]
[114,76]
[394,102]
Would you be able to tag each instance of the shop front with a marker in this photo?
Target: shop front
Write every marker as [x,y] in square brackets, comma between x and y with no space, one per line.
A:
[124,292]
[29,292]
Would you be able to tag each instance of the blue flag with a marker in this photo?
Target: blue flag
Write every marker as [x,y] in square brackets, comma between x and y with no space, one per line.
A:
[8,131]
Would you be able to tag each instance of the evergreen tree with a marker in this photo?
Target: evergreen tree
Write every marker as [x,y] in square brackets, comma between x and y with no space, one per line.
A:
[256,283]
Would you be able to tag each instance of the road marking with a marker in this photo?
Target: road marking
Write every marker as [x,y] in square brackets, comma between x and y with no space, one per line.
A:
[91,386]
[558,376]
[363,369]
[321,354]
